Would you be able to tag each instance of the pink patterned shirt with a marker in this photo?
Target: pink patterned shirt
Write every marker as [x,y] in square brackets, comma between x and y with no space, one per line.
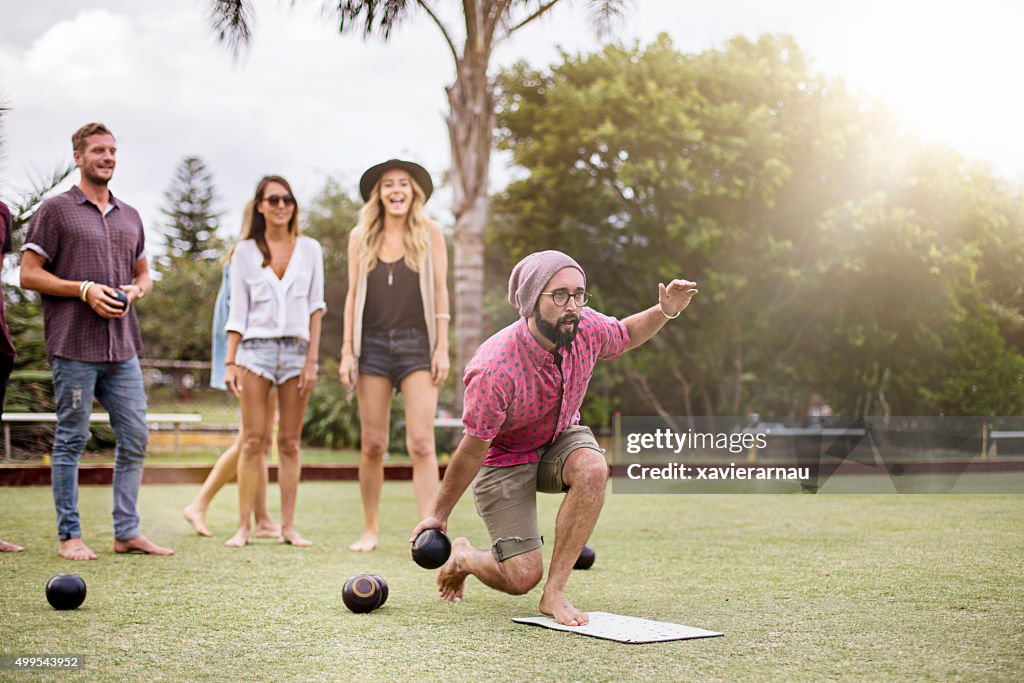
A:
[516,395]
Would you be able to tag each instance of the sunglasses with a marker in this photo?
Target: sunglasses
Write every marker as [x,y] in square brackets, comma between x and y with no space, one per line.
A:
[276,200]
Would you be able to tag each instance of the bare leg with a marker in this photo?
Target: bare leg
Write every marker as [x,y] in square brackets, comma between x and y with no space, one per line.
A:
[515,576]
[6,547]
[75,549]
[265,525]
[253,398]
[292,405]
[374,395]
[420,410]
[586,474]
[224,471]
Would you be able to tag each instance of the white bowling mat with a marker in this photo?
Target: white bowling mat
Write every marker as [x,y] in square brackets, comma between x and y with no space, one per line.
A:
[625,629]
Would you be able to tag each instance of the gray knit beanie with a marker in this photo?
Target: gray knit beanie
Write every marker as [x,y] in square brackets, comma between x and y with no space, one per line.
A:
[532,273]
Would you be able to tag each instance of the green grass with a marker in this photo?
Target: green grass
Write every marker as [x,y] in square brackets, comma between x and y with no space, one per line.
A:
[217,407]
[208,456]
[851,587]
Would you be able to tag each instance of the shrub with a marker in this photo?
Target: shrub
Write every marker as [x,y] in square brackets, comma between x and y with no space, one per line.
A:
[332,417]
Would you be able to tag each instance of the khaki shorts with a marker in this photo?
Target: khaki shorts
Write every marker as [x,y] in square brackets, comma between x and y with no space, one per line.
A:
[506,497]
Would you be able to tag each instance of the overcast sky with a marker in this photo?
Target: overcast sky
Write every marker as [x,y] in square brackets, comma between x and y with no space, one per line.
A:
[307,102]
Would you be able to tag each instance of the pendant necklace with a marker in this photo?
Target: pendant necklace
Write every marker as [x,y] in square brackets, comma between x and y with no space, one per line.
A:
[391,272]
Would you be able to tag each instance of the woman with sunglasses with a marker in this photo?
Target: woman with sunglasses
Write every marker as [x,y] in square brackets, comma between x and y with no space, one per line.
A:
[226,468]
[277,302]
[395,329]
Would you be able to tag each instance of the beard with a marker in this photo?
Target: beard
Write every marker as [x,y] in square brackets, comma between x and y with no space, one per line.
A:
[554,332]
[95,178]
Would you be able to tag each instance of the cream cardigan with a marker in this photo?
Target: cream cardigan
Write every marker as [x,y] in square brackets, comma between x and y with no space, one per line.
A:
[426,293]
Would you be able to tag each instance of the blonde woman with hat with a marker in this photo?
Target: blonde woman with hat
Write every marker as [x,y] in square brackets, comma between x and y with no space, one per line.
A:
[396,328]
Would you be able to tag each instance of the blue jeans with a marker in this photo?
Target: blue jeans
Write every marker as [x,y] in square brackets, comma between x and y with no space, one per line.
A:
[118,386]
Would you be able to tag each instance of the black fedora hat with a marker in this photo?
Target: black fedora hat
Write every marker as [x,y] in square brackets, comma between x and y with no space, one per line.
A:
[373,174]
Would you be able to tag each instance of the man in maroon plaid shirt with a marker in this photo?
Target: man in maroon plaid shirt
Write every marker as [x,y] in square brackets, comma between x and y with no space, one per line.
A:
[82,247]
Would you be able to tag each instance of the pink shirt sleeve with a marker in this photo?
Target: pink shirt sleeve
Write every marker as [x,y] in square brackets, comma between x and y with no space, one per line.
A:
[611,335]
[488,396]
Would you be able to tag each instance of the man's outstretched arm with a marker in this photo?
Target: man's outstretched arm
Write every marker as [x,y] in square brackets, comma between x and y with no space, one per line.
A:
[672,300]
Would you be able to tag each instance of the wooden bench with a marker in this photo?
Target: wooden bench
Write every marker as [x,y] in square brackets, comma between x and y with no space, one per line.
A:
[175,419]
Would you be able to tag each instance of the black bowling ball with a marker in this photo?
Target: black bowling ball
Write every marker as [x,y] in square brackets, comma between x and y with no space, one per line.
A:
[586,558]
[431,549]
[362,594]
[383,588]
[65,591]
[122,297]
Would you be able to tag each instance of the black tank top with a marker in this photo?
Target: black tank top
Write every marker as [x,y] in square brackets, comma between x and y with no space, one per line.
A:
[393,299]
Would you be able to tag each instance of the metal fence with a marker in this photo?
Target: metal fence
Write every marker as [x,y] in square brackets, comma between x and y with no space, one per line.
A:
[179,386]
[172,387]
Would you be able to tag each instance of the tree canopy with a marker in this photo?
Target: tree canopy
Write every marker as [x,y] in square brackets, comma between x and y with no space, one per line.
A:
[189,271]
[190,212]
[329,218]
[471,29]
[834,253]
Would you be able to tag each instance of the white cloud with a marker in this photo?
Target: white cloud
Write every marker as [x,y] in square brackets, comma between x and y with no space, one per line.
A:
[304,102]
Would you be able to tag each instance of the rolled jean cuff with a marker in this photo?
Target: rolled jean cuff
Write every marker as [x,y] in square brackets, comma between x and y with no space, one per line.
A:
[70,535]
[128,536]
[505,548]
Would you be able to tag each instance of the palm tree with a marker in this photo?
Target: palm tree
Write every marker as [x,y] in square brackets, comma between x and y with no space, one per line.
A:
[25,201]
[21,307]
[485,23]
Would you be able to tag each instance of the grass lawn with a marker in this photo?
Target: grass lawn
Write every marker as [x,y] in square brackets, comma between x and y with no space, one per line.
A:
[216,407]
[852,587]
[208,456]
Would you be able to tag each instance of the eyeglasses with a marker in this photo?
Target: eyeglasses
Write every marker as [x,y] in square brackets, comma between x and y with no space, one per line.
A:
[276,199]
[561,297]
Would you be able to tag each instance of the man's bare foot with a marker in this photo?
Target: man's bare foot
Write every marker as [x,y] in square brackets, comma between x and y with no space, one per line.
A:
[239,540]
[140,544]
[292,537]
[451,577]
[6,547]
[267,529]
[366,543]
[75,549]
[197,518]
[556,604]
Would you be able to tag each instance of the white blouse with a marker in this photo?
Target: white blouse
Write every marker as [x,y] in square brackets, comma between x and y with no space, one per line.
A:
[265,307]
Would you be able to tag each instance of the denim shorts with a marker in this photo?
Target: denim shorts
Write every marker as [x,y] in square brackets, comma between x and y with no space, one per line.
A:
[277,360]
[394,354]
